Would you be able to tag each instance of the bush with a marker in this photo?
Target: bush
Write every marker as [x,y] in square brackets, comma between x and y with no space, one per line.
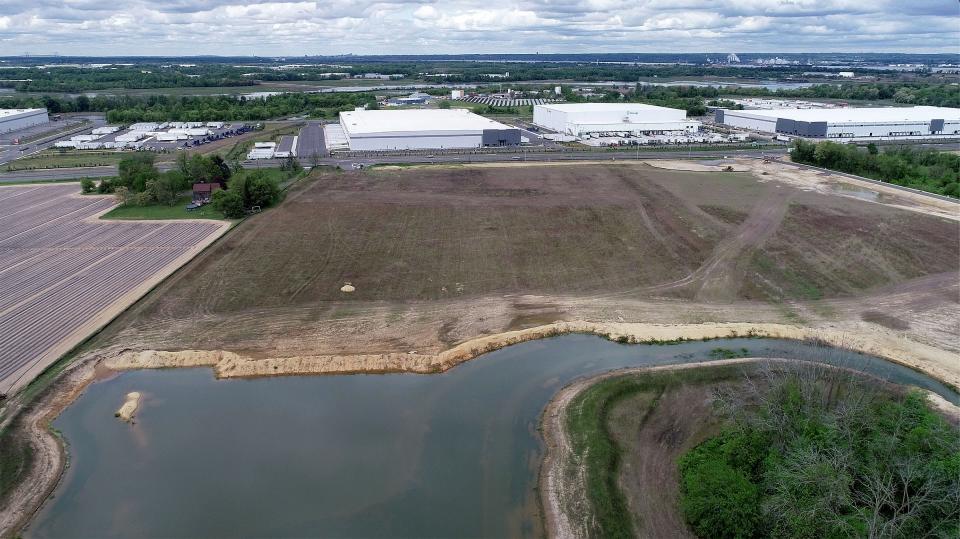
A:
[927,170]
[105,187]
[260,189]
[718,499]
[87,186]
[229,202]
[818,458]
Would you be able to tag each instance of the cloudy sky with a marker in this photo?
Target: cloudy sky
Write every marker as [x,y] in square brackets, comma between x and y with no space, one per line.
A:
[245,27]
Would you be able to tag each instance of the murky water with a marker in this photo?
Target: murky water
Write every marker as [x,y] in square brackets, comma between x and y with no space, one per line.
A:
[858,192]
[449,455]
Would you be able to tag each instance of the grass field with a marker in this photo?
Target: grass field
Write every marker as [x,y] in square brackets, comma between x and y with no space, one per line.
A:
[440,254]
[177,211]
[65,159]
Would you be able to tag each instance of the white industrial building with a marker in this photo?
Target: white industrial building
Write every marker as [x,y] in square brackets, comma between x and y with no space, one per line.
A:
[633,119]
[423,129]
[262,150]
[849,123]
[14,119]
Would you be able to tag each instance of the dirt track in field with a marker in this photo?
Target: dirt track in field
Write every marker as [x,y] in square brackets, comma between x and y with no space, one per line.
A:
[440,256]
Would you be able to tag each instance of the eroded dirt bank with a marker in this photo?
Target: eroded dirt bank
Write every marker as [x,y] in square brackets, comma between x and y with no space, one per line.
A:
[937,363]
[49,454]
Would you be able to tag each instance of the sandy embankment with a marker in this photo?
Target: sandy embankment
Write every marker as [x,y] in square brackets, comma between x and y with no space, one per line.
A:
[940,364]
[129,407]
[566,509]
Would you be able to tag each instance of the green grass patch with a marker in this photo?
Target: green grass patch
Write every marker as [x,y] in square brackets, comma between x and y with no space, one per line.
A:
[177,211]
[16,458]
[67,159]
[587,422]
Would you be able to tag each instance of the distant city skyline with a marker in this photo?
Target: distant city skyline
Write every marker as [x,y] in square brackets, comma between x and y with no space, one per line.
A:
[221,27]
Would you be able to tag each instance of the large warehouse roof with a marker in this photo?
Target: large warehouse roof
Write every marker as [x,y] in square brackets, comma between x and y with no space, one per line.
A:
[359,122]
[602,107]
[848,115]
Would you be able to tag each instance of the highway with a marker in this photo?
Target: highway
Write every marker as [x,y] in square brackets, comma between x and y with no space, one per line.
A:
[348,162]
[12,152]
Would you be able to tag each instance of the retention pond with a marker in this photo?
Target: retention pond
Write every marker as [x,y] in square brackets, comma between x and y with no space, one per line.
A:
[452,455]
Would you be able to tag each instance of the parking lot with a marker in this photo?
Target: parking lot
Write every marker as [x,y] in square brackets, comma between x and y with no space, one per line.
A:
[64,273]
[311,141]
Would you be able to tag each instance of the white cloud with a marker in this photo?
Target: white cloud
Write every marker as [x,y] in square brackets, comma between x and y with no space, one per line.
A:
[228,27]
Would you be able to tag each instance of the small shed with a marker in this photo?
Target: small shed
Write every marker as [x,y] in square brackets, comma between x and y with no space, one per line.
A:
[203,192]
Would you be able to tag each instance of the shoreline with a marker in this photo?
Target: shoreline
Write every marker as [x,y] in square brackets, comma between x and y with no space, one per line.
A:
[41,481]
[556,460]
[934,362]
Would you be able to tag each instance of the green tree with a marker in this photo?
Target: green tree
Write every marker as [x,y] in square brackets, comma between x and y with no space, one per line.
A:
[87,185]
[135,170]
[105,187]
[229,202]
[260,189]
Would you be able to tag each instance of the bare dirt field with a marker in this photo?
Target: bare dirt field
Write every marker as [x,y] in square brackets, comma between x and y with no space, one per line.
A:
[64,273]
[440,256]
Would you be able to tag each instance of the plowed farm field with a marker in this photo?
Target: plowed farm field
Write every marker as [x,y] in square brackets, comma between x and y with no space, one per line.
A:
[64,273]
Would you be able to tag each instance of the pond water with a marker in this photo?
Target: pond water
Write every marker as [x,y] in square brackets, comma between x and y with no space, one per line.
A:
[858,192]
[453,454]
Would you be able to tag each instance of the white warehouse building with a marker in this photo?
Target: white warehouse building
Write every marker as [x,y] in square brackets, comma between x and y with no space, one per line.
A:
[579,119]
[423,129]
[849,123]
[14,119]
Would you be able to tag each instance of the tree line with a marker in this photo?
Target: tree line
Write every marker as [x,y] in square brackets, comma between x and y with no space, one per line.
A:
[139,183]
[165,108]
[70,79]
[924,169]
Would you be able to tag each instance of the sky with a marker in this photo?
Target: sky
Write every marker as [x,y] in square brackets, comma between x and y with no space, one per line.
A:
[253,27]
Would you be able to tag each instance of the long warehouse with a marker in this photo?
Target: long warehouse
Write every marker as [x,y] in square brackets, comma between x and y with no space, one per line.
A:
[849,123]
[579,119]
[14,119]
[423,129]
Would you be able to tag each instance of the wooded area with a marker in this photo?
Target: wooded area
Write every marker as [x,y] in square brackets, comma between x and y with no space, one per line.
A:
[927,170]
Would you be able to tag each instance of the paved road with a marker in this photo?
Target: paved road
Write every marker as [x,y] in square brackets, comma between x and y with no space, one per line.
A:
[347,162]
[311,142]
[550,156]
[55,174]
[9,153]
